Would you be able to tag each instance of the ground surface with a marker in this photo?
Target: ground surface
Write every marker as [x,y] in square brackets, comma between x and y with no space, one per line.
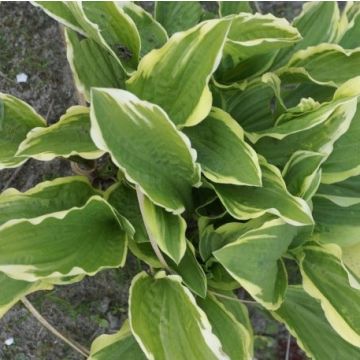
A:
[31,43]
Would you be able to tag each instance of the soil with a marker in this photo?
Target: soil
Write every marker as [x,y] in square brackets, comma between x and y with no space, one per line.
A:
[31,43]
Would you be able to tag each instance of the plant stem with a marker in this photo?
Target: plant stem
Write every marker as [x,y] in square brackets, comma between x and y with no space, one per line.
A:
[287,355]
[79,348]
[140,197]
[234,299]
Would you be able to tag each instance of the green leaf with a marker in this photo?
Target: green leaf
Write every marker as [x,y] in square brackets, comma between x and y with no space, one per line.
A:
[63,243]
[92,65]
[108,24]
[297,86]
[234,337]
[213,209]
[213,239]
[273,198]
[336,223]
[60,11]
[252,106]
[302,173]
[304,317]
[309,113]
[249,39]
[126,126]
[167,229]
[337,215]
[145,253]
[254,260]
[320,138]
[219,278]
[344,161]
[206,204]
[13,290]
[350,38]
[234,7]
[345,193]
[325,279]
[152,34]
[45,198]
[177,16]
[184,94]
[104,22]
[216,140]
[239,310]
[47,143]
[186,333]
[16,119]
[123,198]
[191,272]
[318,23]
[319,62]
[116,346]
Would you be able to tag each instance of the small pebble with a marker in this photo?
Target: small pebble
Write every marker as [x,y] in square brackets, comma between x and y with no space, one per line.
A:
[9,341]
[21,78]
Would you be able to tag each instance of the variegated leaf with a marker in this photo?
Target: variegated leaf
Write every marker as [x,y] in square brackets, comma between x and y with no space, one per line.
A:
[272,197]
[181,88]
[254,260]
[47,143]
[126,126]
[325,279]
[188,331]
[16,119]
[304,317]
[223,154]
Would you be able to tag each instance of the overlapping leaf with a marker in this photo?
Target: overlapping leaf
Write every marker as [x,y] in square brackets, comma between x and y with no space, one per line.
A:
[302,173]
[325,279]
[177,16]
[47,143]
[191,272]
[112,347]
[320,138]
[115,29]
[223,154]
[232,333]
[318,63]
[317,23]
[45,198]
[304,317]
[92,65]
[273,198]
[254,260]
[309,113]
[187,333]
[168,230]
[152,34]
[252,44]
[123,198]
[344,160]
[253,106]
[349,38]
[104,22]
[62,243]
[337,216]
[146,145]
[181,88]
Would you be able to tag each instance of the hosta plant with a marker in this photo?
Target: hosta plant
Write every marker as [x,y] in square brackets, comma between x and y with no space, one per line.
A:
[236,139]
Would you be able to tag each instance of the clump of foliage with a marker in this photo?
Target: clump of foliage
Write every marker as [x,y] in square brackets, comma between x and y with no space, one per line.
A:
[236,138]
